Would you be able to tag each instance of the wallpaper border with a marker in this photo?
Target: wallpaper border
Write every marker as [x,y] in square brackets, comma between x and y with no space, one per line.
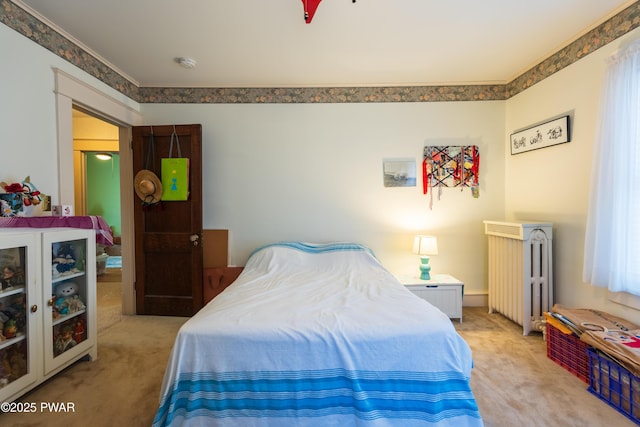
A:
[26,24]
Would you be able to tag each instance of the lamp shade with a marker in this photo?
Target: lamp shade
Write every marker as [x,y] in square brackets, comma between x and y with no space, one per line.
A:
[425,245]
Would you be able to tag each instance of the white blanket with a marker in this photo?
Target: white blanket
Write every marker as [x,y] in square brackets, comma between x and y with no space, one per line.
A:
[318,335]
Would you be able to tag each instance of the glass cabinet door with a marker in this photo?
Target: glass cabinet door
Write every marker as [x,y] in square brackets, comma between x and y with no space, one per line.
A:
[69,269]
[18,312]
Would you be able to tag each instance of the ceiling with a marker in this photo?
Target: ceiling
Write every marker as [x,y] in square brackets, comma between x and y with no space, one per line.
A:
[266,43]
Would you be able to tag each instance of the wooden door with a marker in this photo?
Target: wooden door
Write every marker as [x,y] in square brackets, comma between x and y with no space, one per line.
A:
[168,253]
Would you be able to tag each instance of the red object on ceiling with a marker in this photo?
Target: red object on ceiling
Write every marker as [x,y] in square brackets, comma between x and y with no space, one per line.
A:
[310,7]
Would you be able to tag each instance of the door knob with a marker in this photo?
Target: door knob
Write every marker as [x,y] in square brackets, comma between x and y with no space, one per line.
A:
[195,239]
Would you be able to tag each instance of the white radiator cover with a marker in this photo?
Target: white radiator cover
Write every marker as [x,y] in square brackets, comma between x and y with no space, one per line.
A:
[520,271]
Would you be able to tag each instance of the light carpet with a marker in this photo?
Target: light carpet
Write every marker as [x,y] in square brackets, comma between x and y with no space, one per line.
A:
[514,382]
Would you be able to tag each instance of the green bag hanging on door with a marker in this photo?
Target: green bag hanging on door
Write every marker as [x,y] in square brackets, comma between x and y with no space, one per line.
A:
[175,174]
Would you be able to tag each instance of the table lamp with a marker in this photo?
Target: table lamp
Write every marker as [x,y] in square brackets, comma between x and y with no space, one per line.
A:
[425,246]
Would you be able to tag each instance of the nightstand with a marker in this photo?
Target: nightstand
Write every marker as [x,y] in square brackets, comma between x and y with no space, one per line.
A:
[443,290]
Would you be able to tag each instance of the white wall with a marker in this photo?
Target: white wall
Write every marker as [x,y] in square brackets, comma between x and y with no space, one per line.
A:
[28,113]
[552,184]
[307,171]
[313,172]
[28,140]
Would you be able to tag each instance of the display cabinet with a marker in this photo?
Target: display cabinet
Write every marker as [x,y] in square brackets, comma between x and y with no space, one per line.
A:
[69,286]
[19,306]
[47,304]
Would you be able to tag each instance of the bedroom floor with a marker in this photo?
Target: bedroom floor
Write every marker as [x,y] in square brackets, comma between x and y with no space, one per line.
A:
[513,380]
[515,383]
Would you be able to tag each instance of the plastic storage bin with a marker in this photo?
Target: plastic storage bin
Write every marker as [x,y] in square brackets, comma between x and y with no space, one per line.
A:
[568,351]
[615,385]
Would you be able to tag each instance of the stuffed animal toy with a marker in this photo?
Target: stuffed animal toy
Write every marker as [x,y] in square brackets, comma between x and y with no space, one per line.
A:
[67,301]
[10,329]
[10,315]
[74,304]
[78,332]
[64,340]
[30,192]
[64,259]
[8,278]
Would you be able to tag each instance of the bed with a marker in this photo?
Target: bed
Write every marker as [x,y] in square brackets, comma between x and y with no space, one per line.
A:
[317,335]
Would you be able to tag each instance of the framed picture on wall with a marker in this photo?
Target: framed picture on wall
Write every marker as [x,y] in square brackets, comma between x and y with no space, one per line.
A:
[399,172]
[550,133]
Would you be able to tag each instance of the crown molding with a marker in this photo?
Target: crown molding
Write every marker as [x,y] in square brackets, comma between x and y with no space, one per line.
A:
[17,17]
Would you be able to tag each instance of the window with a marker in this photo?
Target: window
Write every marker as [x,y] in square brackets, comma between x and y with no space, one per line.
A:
[612,244]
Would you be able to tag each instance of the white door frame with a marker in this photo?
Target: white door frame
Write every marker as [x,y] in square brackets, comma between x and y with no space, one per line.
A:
[71,91]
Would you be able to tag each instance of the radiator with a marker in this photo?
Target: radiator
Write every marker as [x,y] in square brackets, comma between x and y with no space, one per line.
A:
[520,271]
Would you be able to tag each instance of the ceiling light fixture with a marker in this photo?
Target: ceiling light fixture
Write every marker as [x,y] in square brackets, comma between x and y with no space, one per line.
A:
[187,63]
[104,156]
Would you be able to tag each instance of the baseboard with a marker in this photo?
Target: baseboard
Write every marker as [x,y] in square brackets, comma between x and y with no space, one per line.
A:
[475,300]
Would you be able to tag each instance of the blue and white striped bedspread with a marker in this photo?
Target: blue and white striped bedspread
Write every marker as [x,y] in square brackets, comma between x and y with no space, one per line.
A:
[317,335]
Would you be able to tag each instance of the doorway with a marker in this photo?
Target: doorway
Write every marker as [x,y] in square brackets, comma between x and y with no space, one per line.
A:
[73,92]
[97,192]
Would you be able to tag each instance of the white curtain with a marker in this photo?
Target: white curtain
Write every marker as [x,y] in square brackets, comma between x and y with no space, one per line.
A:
[612,244]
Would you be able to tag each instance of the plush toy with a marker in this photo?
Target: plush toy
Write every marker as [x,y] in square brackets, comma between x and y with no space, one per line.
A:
[64,259]
[67,289]
[74,304]
[78,333]
[64,340]
[30,192]
[8,279]
[18,309]
[10,329]
[67,301]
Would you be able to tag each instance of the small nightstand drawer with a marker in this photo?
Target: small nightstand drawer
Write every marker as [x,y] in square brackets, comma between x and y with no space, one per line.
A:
[446,298]
[443,291]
